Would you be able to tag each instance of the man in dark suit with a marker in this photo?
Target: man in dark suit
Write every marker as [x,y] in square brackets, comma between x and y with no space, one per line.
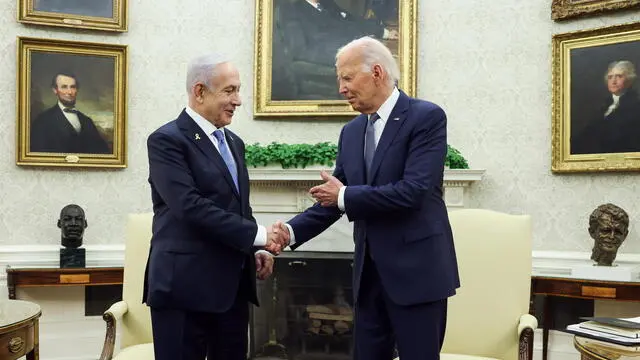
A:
[388,180]
[64,129]
[616,126]
[201,270]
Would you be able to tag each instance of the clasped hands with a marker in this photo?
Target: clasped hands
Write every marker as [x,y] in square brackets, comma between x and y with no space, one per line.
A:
[277,238]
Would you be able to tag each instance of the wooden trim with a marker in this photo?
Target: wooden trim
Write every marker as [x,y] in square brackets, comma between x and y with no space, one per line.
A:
[526,345]
[110,337]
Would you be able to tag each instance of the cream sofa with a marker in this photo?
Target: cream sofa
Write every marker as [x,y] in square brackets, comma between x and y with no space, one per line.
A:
[132,315]
[488,317]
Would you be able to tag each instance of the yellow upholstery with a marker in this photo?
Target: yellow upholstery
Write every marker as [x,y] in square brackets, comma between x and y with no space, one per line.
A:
[491,307]
[135,323]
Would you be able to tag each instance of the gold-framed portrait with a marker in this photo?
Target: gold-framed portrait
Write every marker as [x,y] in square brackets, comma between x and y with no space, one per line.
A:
[71,103]
[566,9]
[109,15]
[596,104]
[296,42]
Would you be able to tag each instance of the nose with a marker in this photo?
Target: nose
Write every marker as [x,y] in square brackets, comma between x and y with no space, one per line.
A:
[237,100]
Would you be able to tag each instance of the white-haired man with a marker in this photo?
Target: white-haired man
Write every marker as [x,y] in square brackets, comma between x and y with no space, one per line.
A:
[388,181]
[615,127]
[201,270]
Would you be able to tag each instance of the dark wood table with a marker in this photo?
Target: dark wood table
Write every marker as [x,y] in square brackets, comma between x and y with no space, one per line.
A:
[598,350]
[551,287]
[19,330]
[30,277]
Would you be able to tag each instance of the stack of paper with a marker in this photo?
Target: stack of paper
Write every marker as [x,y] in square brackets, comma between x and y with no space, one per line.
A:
[612,330]
[598,346]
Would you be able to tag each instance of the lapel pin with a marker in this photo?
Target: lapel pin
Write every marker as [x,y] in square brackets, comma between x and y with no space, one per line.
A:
[396,119]
[197,136]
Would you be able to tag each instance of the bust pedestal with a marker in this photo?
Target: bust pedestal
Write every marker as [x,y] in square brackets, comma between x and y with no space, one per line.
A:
[617,272]
[72,258]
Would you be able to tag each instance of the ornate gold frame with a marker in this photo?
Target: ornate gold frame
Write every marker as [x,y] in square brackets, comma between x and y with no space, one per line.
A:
[264,106]
[26,47]
[563,44]
[118,22]
[564,9]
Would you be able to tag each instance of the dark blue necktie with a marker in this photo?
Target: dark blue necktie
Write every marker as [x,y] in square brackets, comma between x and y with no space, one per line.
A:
[370,142]
[226,156]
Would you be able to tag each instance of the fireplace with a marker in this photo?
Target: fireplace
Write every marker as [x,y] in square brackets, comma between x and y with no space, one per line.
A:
[306,310]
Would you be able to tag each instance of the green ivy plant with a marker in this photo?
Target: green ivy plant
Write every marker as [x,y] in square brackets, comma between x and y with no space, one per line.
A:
[324,153]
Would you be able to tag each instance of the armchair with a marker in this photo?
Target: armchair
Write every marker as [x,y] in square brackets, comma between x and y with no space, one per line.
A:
[133,315]
[488,317]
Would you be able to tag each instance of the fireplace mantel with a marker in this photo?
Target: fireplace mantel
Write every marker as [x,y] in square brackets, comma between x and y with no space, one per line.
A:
[277,190]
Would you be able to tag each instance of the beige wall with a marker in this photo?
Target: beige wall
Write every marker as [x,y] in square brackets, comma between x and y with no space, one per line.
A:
[488,63]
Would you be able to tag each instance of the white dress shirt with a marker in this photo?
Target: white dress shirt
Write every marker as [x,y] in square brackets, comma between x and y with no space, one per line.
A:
[72,117]
[614,105]
[208,128]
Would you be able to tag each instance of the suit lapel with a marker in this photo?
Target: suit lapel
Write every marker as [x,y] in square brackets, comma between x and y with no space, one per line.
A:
[358,148]
[394,122]
[194,133]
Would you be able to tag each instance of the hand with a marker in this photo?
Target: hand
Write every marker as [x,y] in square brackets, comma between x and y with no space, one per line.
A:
[277,237]
[264,265]
[327,193]
[390,34]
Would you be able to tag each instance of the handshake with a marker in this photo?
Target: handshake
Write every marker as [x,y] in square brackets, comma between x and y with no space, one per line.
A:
[278,238]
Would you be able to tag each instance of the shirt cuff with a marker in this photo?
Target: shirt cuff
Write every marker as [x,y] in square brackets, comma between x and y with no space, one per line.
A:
[261,237]
[292,236]
[263,251]
[341,198]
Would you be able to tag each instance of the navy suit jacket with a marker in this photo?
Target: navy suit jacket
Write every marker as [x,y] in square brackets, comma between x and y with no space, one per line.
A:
[399,212]
[52,132]
[203,228]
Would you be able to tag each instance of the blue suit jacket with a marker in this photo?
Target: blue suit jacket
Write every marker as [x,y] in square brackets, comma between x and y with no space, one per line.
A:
[203,229]
[399,213]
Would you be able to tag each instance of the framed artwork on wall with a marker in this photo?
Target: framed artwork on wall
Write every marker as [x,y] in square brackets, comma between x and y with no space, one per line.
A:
[596,104]
[71,107]
[565,9]
[296,42]
[110,15]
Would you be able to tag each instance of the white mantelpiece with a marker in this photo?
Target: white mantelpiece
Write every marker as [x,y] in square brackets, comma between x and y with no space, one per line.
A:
[279,194]
[277,190]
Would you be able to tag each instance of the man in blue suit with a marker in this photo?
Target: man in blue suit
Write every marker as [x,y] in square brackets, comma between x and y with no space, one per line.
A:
[388,181]
[201,270]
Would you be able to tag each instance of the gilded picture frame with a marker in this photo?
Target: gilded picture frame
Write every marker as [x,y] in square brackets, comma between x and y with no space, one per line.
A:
[566,9]
[595,102]
[295,74]
[71,104]
[108,15]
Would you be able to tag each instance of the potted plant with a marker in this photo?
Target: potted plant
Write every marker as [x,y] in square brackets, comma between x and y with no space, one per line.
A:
[322,154]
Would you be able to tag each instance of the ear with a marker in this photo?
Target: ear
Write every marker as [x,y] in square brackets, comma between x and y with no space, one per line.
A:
[377,72]
[198,91]
[86,224]
[59,224]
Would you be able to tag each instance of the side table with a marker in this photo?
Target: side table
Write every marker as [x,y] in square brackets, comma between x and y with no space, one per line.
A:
[19,330]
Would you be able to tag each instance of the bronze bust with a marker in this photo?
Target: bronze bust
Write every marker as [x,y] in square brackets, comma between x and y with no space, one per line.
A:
[72,223]
[608,226]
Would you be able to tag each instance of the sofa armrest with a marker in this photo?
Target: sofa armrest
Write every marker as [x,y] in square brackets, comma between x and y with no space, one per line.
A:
[111,316]
[527,321]
[526,326]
